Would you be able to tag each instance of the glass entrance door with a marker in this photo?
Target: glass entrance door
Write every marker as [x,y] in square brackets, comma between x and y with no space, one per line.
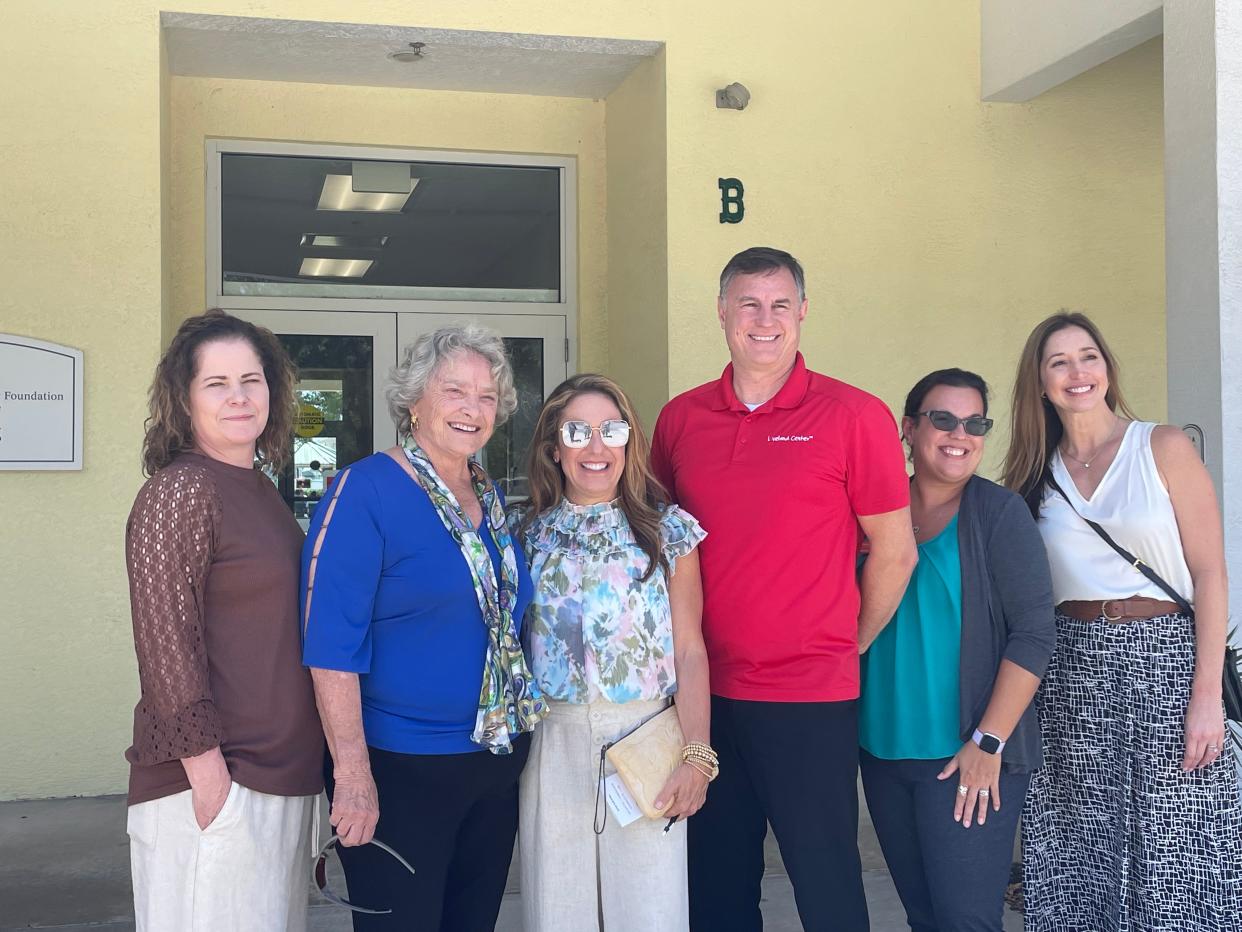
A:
[537,351]
[342,360]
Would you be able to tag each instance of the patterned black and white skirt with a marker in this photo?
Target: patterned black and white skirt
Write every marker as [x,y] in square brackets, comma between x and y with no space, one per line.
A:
[1116,837]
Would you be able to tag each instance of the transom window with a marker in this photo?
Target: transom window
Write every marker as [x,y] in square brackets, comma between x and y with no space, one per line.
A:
[300,222]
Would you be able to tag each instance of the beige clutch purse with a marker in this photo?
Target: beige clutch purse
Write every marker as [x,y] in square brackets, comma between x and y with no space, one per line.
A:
[647,757]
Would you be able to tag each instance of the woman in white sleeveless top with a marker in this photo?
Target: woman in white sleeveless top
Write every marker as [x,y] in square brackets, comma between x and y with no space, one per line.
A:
[1135,821]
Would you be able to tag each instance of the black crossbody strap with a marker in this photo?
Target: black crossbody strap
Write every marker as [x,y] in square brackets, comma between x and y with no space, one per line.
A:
[1126,555]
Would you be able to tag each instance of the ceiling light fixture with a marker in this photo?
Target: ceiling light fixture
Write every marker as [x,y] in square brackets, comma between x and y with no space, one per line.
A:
[334,241]
[416,52]
[338,194]
[335,268]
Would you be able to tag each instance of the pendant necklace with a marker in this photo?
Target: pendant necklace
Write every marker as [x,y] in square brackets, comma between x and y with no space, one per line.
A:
[1086,464]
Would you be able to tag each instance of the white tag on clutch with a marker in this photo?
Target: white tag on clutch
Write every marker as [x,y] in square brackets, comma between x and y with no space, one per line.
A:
[620,801]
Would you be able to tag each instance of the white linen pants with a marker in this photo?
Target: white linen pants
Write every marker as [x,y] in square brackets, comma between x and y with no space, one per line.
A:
[248,871]
[630,879]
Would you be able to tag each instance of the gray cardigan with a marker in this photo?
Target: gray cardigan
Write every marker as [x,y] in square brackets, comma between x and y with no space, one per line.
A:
[1007,609]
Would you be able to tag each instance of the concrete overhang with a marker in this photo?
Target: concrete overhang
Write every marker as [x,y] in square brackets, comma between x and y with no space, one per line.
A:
[1030,47]
[201,45]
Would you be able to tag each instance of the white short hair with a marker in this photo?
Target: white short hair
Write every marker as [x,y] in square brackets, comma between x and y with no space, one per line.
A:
[408,379]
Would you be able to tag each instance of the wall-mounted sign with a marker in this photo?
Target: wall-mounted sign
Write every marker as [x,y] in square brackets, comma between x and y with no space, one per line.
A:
[40,404]
[732,210]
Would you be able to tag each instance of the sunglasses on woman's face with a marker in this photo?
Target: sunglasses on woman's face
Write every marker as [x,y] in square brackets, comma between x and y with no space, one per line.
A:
[577,434]
[975,425]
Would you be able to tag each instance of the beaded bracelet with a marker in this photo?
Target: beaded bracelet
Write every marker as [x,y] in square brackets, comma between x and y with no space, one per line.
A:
[703,758]
[705,749]
[709,774]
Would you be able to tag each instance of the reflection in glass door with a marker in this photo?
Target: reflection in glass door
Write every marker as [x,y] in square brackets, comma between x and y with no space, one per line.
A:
[336,409]
[536,347]
[341,360]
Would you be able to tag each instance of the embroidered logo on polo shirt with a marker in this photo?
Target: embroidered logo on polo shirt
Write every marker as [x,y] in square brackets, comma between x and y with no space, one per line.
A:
[790,438]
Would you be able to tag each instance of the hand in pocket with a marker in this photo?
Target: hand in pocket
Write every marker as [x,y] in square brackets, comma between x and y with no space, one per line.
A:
[210,783]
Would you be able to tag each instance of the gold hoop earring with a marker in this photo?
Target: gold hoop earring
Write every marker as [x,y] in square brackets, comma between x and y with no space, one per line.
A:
[413,422]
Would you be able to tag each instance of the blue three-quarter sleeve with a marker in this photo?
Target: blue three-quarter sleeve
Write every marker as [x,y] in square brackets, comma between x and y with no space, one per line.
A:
[341,566]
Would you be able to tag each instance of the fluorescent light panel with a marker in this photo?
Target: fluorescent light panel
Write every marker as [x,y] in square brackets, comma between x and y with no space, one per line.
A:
[338,194]
[323,241]
[335,268]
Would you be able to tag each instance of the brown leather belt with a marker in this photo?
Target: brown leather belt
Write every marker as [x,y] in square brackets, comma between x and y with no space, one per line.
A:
[1117,611]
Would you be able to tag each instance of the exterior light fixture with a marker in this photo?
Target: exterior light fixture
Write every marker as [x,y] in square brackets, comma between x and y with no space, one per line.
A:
[733,97]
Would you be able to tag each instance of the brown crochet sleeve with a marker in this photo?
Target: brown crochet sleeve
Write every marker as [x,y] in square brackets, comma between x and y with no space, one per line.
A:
[169,543]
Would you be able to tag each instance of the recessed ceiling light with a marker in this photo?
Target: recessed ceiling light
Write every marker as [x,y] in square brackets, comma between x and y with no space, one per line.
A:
[321,241]
[338,194]
[335,268]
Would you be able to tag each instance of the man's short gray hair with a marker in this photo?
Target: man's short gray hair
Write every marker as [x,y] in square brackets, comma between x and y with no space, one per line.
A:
[763,260]
[408,380]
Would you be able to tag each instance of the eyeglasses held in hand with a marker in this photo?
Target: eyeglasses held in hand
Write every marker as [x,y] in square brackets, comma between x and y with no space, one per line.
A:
[577,434]
[319,873]
[975,425]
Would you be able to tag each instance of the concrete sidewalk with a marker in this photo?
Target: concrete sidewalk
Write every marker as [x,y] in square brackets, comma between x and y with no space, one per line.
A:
[64,865]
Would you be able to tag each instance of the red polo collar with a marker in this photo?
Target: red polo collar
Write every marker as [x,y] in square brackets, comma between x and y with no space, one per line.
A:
[789,396]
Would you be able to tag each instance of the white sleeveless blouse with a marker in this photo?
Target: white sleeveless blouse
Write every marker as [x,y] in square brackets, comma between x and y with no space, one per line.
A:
[1133,505]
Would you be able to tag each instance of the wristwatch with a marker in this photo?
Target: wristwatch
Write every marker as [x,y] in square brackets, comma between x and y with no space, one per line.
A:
[988,743]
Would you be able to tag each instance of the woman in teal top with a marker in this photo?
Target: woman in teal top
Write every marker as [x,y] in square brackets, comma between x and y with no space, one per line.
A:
[946,727]
[910,686]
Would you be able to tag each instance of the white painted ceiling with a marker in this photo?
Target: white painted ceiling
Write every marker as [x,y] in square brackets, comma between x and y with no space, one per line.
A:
[347,53]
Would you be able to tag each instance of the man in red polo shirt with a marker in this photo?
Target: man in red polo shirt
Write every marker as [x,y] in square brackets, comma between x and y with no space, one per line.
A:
[783,466]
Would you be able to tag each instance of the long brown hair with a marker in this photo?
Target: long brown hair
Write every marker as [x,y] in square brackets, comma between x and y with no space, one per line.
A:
[1037,427]
[640,492]
[168,428]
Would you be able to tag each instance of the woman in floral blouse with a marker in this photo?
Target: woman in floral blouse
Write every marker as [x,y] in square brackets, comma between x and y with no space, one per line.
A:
[613,632]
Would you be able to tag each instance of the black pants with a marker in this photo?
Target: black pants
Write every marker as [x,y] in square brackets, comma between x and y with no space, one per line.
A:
[454,818]
[949,878]
[794,765]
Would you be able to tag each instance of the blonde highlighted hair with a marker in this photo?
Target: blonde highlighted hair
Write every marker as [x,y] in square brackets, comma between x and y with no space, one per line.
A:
[1036,426]
[640,493]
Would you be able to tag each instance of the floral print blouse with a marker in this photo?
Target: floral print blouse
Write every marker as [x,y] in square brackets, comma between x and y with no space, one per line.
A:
[594,630]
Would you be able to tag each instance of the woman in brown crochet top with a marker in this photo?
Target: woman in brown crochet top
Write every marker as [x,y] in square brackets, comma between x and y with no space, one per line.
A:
[226,763]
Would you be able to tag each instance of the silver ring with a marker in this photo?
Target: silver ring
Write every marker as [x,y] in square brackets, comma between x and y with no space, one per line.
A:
[984,793]
[1213,747]
[962,789]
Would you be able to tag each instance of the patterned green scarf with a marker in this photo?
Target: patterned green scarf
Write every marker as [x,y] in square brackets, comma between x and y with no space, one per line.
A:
[509,701]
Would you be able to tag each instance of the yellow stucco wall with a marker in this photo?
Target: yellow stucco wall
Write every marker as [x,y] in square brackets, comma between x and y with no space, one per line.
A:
[638,239]
[935,229]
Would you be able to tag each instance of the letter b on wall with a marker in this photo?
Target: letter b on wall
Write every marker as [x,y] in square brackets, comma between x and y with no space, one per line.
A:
[732,209]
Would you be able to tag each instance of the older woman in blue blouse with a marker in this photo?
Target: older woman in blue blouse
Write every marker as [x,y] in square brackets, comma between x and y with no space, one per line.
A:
[613,631]
[413,594]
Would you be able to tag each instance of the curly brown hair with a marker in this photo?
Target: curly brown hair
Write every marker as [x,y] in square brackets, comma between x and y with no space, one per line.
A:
[641,494]
[168,427]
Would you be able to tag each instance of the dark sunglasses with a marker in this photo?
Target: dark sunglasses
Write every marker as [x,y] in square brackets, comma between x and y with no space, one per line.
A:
[319,872]
[975,425]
